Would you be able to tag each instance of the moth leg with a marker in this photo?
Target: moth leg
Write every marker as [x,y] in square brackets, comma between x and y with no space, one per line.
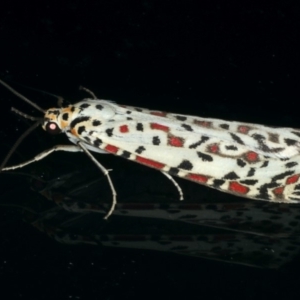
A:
[69,148]
[88,91]
[106,173]
[176,185]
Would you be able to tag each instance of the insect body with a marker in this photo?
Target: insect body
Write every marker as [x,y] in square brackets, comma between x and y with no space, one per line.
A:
[249,160]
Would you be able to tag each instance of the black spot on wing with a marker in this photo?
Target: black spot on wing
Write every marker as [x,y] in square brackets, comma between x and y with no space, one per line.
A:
[140,149]
[231,176]
[202,140]
[126,154]
[240,163]
[81,129]
[156,140]
[78,121]
[231,147]
[249,181]
[237,138]
[99,106]
[187,127]
[251,172]
[273,137]
[290,142]
[185,165]
[204,157]
[96,123]
[173,171]
[265,164]
[218,182]
[291,164]
[224,126]
[97,142]
[109,131]
[139,127]
[84,105]
[181,118]
[258,137]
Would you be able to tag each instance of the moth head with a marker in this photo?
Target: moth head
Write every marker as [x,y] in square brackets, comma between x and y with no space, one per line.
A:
[48,122]
[51,121]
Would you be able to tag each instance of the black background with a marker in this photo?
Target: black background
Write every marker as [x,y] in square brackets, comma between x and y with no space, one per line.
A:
[234,60]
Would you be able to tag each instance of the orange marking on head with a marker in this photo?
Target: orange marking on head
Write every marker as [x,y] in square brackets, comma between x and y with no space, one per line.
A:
[74,132]
[66,109]
[63,124]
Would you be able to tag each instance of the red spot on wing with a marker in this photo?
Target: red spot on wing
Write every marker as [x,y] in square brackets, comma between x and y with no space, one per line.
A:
[197,177]
[236,187]
[278,191]
[243,129]
[158,113]
[124,128]
[149,162]
[111,149]
[159,127]
[251,156]
[175,141]
[214,148]
[203,123]
[292,179]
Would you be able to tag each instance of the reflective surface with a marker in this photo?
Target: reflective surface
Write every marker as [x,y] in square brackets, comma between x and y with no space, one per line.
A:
[234,61]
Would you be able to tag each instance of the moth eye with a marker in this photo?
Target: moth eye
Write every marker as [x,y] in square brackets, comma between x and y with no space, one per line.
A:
[53,128]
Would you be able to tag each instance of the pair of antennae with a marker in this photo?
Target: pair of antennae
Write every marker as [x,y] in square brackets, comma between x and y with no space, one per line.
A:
[21,96]
[29,130]
[38,120]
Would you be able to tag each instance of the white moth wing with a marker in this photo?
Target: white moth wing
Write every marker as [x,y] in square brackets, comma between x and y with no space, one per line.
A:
[250,160]
[270,141]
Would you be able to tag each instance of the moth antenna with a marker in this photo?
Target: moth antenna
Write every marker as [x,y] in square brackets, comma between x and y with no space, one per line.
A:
[22,97]
[60,101]
[81,88]
[25,115]
[18,142]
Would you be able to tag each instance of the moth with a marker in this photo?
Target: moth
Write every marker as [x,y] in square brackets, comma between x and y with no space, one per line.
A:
[244,159]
